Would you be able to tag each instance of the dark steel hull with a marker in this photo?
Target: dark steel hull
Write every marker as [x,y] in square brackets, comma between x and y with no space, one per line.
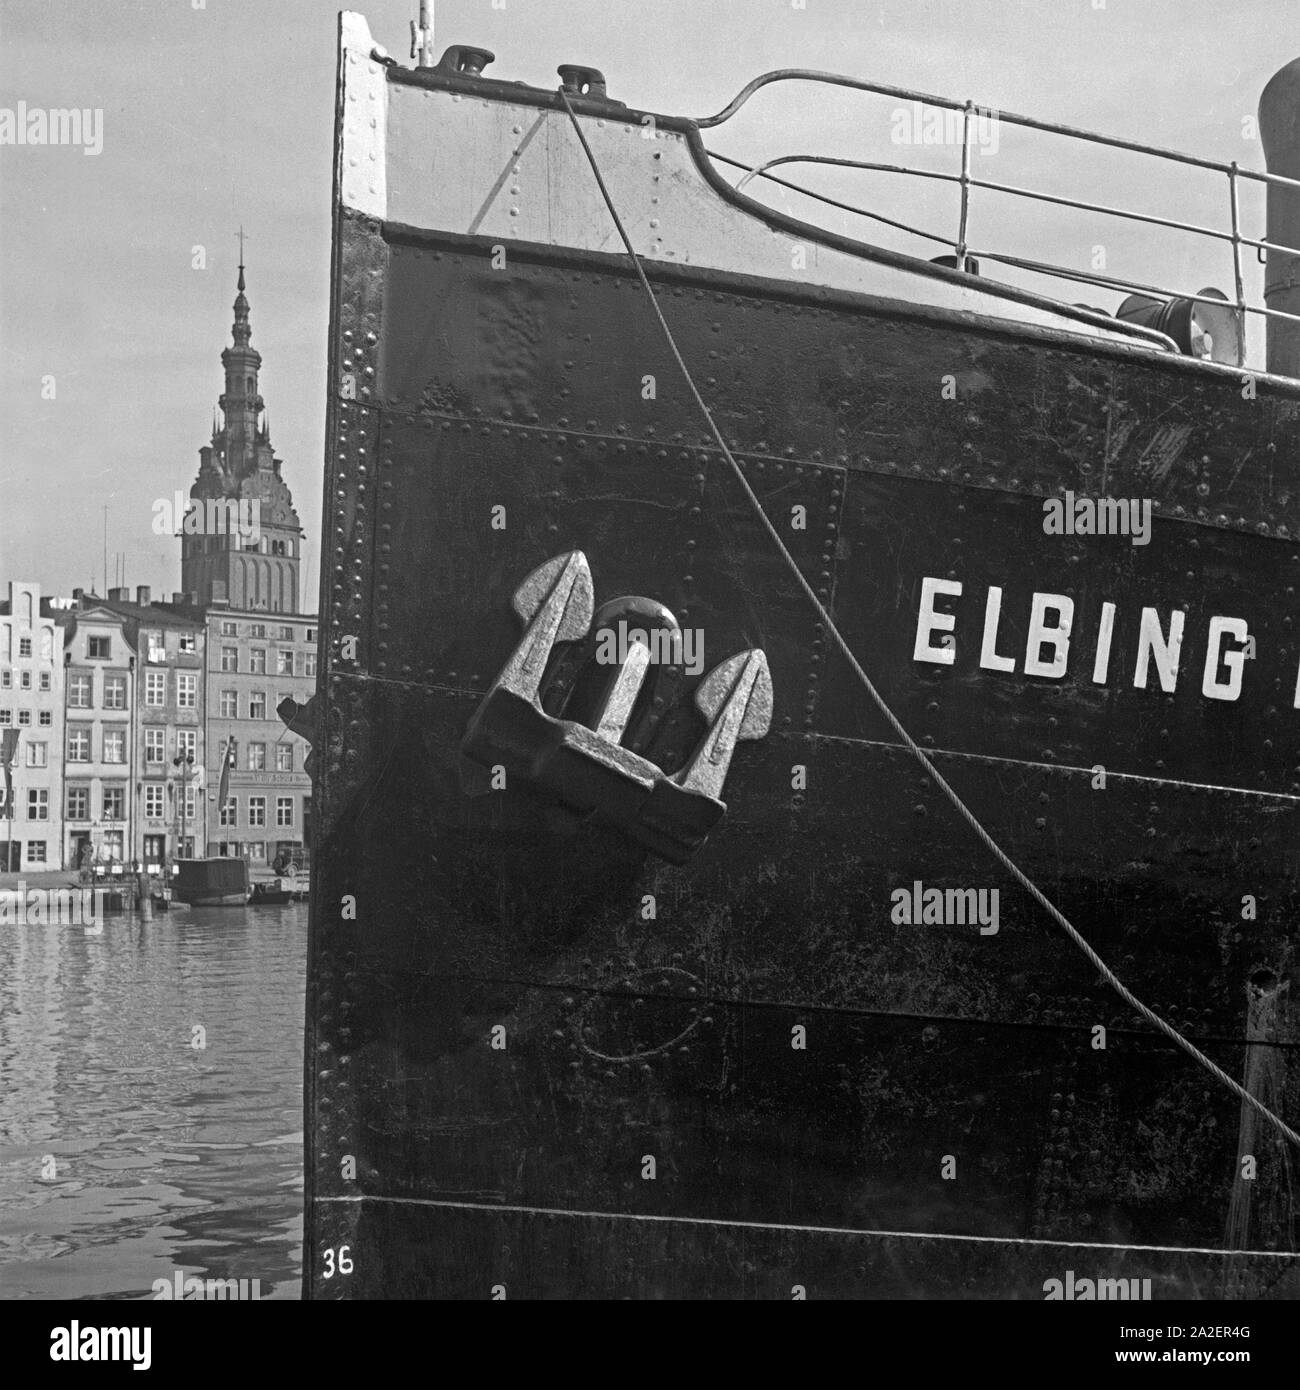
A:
[452,1168]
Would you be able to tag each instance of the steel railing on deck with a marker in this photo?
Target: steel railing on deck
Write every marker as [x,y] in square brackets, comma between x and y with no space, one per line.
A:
[968,181]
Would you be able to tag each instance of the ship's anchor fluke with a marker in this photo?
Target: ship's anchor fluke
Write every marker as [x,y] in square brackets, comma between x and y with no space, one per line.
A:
[556,602]
[736,699]
[585,765]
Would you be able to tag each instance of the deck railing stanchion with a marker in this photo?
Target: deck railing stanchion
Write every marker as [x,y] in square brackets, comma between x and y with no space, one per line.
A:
[1238,284]
[964,220]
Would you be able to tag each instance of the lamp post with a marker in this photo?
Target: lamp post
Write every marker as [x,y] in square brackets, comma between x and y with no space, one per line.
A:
[185,764]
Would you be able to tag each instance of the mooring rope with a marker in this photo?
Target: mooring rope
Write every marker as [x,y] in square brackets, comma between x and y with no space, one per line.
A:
[908,741]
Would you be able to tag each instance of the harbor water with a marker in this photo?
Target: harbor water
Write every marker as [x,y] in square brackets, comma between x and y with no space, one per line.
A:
[151,1104]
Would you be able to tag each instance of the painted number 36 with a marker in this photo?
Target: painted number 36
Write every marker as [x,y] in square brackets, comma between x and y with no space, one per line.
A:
[344,1262]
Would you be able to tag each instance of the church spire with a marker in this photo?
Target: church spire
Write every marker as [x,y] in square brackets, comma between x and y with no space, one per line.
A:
[241,331]
[240,402]
[240,465]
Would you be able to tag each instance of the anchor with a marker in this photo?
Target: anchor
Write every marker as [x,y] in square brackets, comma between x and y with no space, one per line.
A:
[585,766]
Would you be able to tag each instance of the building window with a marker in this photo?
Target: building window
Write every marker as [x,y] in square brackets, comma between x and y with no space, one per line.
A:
[38,803]
[187,688]
[257,630]
[36,851]
[256,812]
[114,692]
[229,704]
[230,811]
[6,679]
[37,754]
[43,682]
[153,800]
[114,746]
[78,692]
[155,689]
[229,629]
[6,718]
[25,680]
[286,634]
[114,803]
[155,746]
[78,803]
[284,663]
[45,718]
[311,635]
[230,658]
[152,642]
[257,850]
[24,717]
[99,648]
[284,757]
[24,646]
[113,845]
[186,643]
[257,660]
[311,664]
[283,810]
[187,743]
[191,803]
[78,744]
[257,757]
[257,704]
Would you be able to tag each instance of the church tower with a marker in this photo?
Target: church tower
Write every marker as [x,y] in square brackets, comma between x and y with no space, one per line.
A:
[240,539]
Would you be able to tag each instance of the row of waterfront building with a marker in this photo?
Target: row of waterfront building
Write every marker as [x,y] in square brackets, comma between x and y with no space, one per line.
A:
[121,713]
[119,716]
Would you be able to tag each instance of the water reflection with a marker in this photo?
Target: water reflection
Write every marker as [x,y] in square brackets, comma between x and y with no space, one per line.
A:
[167,1155]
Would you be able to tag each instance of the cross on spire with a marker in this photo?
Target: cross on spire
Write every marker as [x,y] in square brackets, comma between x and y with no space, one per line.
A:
[241,256]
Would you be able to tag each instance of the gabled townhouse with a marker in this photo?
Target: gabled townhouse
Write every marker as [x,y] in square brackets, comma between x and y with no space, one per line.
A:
[31,712]
[99,720]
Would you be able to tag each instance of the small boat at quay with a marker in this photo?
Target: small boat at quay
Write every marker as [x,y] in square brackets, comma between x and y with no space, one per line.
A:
[211,882]
[275,892]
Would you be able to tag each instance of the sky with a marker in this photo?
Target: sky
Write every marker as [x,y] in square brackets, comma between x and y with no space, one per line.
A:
[218,113]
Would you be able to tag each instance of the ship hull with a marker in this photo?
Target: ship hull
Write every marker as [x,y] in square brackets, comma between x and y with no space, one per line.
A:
[544,1062]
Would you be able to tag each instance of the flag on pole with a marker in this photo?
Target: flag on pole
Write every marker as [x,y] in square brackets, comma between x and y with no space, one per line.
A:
[227,762]
[8,754]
